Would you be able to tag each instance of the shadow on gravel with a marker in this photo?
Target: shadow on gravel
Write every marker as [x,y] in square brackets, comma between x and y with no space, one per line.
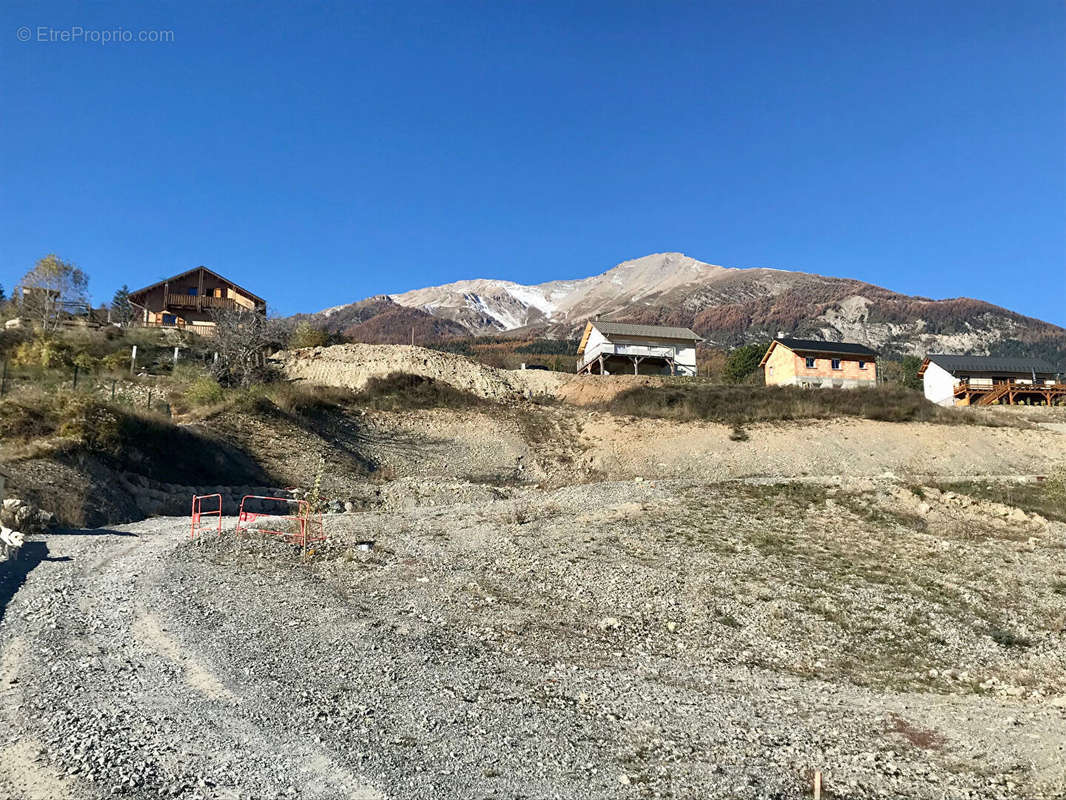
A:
[13,574]
[90,532]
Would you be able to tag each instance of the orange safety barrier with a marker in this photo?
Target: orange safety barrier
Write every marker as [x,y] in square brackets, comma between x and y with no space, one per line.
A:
[198,513]
[304,526]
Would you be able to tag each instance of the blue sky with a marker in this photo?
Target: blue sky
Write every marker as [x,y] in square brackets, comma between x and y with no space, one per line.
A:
[320,153]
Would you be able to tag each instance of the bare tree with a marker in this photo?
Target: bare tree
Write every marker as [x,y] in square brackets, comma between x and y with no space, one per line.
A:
[48,288]
[242,339]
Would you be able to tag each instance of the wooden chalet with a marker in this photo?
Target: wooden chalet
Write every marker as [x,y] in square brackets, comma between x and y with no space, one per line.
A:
[613,348]
[187,301]
[991,380]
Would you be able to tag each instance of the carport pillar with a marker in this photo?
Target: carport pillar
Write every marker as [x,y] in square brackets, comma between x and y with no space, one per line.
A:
[600,359]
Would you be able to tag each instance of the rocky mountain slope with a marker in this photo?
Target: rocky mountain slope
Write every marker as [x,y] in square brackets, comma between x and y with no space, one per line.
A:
[728,306]
[380,320]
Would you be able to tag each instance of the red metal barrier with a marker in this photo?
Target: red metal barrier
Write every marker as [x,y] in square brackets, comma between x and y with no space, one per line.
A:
[305,525]
[198,513]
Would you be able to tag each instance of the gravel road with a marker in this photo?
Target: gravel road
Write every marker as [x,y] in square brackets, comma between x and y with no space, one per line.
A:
[137,665]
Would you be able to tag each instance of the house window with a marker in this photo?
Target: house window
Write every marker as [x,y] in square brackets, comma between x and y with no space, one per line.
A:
[862,365]
[810,363]
[836,363]
[192,290]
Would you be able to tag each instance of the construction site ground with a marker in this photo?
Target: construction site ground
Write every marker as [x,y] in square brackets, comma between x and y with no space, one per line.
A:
[529,600]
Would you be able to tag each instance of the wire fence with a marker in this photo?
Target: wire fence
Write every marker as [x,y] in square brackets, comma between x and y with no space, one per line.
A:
[141,390]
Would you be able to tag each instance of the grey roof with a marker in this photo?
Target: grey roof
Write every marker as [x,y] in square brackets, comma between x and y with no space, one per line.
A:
[955,364]
[816,346]
[653,331]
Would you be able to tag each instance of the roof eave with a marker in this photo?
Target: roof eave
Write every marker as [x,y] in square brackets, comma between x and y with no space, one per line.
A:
[769,350]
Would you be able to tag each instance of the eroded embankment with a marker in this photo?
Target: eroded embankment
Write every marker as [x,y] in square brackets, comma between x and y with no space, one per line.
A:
[352,366]
[372,457]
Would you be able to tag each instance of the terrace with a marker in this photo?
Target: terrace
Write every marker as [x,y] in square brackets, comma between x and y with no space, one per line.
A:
[991,391]
[634,354]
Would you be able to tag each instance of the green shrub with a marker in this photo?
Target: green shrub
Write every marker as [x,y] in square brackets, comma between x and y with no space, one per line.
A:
[743,362]
[119,360]
[43,351]
[1055,486]
[307,335]
[85,361]
[203,390]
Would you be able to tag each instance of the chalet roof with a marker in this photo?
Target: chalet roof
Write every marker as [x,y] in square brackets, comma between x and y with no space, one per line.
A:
[181,275]
[650,331]
[997,364]
[820,347]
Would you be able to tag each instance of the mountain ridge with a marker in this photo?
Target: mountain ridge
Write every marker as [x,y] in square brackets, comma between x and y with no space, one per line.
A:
[727,305]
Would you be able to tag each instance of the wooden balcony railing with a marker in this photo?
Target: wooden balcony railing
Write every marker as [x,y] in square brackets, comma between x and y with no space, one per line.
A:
[199,302]
[202,330]
[667,352]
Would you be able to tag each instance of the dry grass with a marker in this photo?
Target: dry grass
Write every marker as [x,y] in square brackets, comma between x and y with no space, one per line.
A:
[401,391]
[42,424]
[738,405]
[396,392]
[1047,497]
[76,416]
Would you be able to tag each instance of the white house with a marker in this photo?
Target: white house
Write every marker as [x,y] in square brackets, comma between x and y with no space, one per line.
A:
[621,348]
[987,380]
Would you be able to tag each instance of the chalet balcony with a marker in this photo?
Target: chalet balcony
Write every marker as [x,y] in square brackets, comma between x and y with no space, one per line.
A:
[203,329]
[198,302]
[1011,391]
[638,352]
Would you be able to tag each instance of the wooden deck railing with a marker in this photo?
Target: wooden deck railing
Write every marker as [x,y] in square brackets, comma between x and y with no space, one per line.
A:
[200,330]
[200,301]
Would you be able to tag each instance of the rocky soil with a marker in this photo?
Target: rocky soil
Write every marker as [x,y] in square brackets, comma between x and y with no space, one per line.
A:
[645,638]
